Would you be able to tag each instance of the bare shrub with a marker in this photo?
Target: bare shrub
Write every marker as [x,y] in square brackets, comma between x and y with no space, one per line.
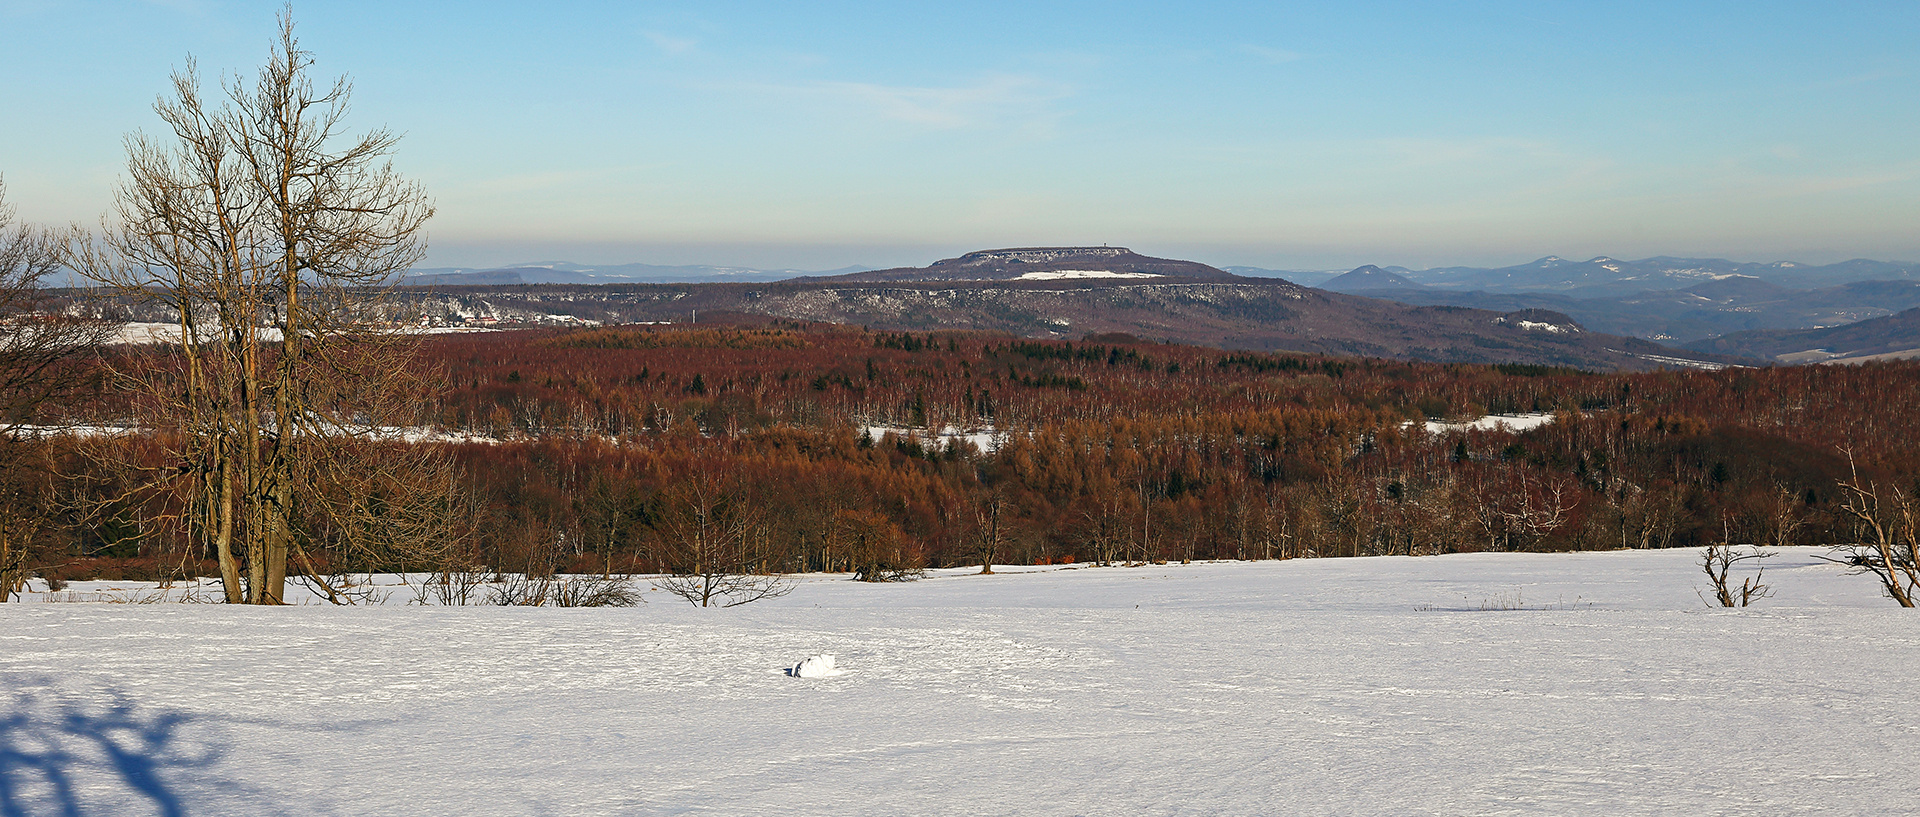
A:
[451,586]
[886,572]
[1890,521]
[1717,562]
[521,590]
[596,591]
[723,589]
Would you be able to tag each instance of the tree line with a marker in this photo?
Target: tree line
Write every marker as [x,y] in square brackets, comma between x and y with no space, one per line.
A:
[600,456]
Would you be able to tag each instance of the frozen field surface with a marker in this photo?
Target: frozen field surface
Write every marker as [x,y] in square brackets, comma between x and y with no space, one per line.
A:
[1579,684]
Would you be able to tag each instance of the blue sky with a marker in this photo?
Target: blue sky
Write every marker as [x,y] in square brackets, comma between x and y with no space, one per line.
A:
[816,135]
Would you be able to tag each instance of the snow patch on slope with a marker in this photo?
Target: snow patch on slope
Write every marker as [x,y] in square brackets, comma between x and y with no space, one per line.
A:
[1063,274]
[986,439]
[1510,422]
[1540,326]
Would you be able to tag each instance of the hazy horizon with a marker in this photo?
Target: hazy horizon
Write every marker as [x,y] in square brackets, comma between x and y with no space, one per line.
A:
[774,135]
[601,257]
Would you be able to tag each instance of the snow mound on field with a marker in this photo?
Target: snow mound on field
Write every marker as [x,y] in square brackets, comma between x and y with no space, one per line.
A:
[818,666]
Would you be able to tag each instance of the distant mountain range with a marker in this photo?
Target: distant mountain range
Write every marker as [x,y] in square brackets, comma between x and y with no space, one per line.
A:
[1311,278]
[1678,300]
[1604,277]
[1600,277]
[1075,292]
[561,272]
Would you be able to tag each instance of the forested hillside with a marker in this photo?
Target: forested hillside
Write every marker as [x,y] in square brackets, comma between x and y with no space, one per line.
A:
[820,447]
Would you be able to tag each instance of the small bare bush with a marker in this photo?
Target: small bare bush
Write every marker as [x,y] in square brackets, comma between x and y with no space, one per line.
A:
[521,590]
[596,591]
[453,586]
[888,572]
[1889,548]
[723,589]
[1717,562]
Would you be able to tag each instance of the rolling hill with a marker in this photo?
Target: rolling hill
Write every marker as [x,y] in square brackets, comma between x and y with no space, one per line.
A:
[1893,336]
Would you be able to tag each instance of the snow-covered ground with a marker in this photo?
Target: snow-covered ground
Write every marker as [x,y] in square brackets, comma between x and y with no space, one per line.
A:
[1477,684]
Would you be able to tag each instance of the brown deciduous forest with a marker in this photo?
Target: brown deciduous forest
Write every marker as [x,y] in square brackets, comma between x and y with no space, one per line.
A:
[817,448]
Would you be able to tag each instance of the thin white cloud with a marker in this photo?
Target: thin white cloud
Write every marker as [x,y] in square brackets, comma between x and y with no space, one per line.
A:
[671,45]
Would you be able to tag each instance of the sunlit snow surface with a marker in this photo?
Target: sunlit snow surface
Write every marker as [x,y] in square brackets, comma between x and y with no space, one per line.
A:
[1510,422]
[1065,274]
[1481,684]
[985,440]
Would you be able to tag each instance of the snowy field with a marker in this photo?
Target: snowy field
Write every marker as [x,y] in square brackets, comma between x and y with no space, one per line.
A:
[1580,684]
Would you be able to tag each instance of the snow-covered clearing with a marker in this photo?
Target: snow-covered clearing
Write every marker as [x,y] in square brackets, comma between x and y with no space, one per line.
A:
[407,434]
[135,333]
[983,439]
[1477,684]
[1511,422]
[144,333]
[1688,363]
[1068,274]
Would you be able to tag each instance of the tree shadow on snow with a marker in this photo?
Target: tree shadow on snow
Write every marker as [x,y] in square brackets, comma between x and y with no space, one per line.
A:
[68,754]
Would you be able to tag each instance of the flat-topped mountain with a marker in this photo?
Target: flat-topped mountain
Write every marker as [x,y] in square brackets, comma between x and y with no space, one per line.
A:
[1044,264]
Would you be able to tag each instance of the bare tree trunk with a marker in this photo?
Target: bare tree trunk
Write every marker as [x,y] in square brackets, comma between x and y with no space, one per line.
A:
[990,531]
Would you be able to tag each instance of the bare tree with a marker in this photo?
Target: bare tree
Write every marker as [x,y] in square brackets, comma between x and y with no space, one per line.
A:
[989,537]
[272,236]
[611,508]
[1105,525]
[1718,560]
[706,528]
[39,344]
[1890,520]
[873,547]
